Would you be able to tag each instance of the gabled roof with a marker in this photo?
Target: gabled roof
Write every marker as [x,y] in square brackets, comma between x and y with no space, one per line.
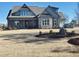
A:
[35,9]
[38,10]
[54,14]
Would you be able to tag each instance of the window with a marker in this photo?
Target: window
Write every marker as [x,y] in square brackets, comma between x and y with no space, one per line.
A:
[45,21]
[16,22]
[55,22]
[25,12]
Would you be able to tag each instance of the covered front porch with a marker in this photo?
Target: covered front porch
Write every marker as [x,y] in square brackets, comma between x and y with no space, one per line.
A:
[25,24]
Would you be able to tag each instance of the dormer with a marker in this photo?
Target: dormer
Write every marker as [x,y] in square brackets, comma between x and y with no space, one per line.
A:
[55,9]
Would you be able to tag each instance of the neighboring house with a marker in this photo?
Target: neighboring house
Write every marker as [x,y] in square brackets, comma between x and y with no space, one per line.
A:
[71,24]
[76,23]
[30,17]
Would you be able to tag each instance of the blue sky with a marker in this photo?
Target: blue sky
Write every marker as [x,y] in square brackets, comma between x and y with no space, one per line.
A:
[68,8]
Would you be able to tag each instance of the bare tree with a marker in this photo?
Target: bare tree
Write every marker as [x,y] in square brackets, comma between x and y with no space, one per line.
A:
[77,14]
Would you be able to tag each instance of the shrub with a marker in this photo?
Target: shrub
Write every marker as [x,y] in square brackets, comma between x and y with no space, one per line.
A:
[74,51]
[5,28]
[50,32]
[73,32]
[40,33]
[55,51]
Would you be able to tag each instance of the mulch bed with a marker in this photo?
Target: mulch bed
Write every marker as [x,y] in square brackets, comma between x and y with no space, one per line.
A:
[74,41]
[56,35]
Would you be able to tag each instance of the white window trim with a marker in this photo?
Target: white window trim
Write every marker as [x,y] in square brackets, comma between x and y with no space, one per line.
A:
[45,22]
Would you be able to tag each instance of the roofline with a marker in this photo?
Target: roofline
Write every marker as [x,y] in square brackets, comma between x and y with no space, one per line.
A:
[25,7]
[9,13]
[53,7]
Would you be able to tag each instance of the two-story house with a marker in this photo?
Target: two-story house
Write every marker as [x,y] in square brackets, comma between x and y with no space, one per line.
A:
[30,17]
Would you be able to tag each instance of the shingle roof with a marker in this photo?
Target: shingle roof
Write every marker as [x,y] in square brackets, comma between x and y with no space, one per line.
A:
[35,9]
[54,14]
[53,7]
[38,10]
[15,9]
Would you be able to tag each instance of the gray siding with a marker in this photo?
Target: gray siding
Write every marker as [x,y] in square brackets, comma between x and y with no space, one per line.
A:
[43,18]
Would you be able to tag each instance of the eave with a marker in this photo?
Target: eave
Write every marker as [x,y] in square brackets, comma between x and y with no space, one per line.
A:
[21,16]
